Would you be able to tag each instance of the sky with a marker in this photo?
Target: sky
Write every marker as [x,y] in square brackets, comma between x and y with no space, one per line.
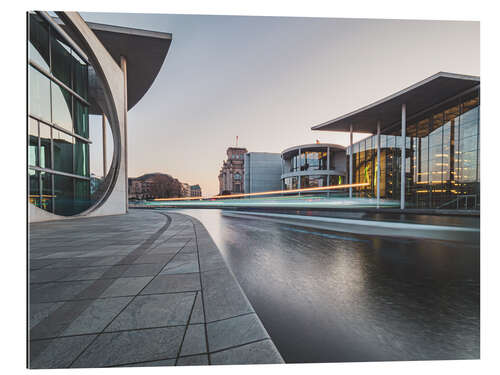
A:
[267,80]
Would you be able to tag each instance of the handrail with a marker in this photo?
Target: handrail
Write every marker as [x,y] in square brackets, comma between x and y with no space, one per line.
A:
[457,200]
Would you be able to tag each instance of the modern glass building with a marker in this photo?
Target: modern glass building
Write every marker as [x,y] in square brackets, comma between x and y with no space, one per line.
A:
[425,151]
[313,165]
[76,69]
[58,122]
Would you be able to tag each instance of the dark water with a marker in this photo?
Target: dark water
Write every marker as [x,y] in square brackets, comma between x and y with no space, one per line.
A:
[336,297]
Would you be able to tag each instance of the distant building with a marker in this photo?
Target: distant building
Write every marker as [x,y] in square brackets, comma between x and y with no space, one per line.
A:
[195,191]
[313,165]
[140,189]
[262,172]
[186,190]
[232,172]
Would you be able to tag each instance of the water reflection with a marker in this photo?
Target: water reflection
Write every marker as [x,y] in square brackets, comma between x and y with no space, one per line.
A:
[327,298]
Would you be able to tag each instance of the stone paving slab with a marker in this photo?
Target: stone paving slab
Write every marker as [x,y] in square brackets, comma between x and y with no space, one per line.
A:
[149,288]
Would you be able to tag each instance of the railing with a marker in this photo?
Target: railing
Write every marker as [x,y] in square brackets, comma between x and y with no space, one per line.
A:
[462,198]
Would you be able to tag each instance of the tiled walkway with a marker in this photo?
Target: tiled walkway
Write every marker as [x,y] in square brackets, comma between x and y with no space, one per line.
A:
[149,288]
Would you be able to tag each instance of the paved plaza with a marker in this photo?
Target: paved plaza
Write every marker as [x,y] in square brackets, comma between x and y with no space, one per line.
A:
[149,288]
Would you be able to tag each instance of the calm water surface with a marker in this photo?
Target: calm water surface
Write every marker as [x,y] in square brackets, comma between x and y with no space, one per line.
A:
[336,297]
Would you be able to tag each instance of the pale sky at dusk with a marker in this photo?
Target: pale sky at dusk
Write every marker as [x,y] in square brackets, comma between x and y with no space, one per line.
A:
[269,79]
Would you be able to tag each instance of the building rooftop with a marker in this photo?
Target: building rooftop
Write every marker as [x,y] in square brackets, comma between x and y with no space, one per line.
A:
[418,97]
[313,145]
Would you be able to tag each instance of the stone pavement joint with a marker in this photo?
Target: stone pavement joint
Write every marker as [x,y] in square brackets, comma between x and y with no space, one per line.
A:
[148,288]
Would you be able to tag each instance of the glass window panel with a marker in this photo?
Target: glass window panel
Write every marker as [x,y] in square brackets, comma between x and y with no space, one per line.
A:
[34,187]
[468,129]
[332,159]
[435,152]
[436,137]
[63,151]
[46,198]
[423,174]
[61,60]
[383,141]
[436,170]
[468,144]
[64,195]
[38,46]
[398,141]
[61,107]
[33,142]
[468,166]
[82,195]
[45,149]
[81,76]
[39,94]
[81,119]
[469,114]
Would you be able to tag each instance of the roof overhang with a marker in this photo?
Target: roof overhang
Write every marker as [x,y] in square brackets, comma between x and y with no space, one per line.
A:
[418,97]
[144,50]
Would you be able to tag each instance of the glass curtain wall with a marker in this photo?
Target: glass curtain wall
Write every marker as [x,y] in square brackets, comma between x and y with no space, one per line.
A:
[58,130]
[442,159]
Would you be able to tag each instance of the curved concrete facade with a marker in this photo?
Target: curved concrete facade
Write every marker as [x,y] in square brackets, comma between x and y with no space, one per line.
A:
[112,101]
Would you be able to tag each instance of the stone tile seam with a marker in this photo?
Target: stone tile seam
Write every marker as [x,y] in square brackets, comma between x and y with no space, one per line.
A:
[187,356]
[202,294]
[120,296]
[169,219]
[77,309]
[144,328]
[192,355]
[185,330]
[108,332]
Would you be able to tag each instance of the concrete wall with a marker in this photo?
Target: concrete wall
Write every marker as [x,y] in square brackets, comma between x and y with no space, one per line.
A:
[262,172]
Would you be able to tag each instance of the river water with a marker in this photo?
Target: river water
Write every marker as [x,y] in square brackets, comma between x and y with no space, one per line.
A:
[337,297]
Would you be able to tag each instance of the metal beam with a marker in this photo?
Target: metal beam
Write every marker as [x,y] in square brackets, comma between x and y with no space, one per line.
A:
[403,154]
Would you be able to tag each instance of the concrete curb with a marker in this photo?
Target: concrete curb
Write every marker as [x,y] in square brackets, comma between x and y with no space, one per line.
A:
[228,311]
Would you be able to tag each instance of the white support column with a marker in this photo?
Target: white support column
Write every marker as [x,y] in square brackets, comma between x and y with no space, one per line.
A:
[378,164]
[123,63]
[403,154]
[328,158]
[104,164]
[350,161]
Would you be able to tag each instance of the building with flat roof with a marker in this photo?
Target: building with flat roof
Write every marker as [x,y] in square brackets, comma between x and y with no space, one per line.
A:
[425,151]
[195,191]
[76,69]
[313,165]
[262,172]
[232,172]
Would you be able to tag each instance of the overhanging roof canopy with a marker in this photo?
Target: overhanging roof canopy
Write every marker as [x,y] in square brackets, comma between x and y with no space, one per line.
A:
[418,97]
[144,50]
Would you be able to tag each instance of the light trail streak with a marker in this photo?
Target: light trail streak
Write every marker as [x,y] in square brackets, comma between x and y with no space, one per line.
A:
[273,192]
